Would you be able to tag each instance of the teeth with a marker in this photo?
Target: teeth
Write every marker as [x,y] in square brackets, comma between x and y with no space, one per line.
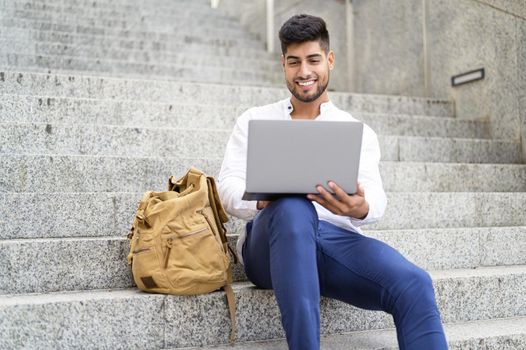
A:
[307,83]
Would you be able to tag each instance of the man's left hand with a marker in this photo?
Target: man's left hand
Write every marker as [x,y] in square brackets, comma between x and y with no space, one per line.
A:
[340,203]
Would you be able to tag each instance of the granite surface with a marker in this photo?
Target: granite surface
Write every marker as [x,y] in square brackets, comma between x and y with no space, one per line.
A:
[111,174]
[173,92]
[419,210]
[110,214]
[394,104]
[521,59]
[43,138]
[177,40]
[40,109]
[406,125]
[434,149]
[37,266]
[183,57]
[49,265]
[462,295]
[96,320]
[84,26]
[387,47]
[487,335]
[471,35]
[162,15]
[144,70]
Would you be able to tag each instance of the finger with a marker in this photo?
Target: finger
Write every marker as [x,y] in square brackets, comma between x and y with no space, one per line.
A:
[321,201]
[330,199]
[339,192]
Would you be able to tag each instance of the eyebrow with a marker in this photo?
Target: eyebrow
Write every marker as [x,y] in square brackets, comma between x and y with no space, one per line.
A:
[314,55]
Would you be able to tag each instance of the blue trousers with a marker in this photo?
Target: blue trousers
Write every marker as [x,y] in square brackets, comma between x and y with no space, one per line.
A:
[302,258]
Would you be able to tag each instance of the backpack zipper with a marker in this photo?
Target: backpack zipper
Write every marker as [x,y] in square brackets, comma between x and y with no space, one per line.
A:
[170,239]
[138,251]
[207,219]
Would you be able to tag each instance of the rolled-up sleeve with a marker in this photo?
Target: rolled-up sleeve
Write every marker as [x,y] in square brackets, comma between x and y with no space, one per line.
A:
[233,172]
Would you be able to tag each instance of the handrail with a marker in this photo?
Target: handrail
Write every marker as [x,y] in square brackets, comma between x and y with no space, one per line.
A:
[270,26]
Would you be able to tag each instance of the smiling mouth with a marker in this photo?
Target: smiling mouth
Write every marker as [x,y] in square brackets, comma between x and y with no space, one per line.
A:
[306,83]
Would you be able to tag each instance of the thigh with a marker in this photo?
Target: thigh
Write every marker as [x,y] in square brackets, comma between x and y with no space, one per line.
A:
[280,239]
[360,270]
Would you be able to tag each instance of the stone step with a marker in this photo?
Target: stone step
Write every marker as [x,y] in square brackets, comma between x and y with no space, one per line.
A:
[85,86]
[107,140]
[106,3]
[14,108]
[62,264]
[174,43]
[159,22]
[150,15]
[507,333]
[185,26]
[217,74]
[45,215]
[116,57]
[39,173]
[43,48]
[128,318]
[121,7]
[152,5]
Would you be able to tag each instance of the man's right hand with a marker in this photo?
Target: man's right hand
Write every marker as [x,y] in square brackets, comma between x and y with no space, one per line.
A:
[262,204]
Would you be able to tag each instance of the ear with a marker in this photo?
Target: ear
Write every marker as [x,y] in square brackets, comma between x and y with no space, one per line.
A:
[283,61]
[330,59]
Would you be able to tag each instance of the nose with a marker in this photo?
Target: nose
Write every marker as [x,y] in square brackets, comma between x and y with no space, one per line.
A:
[305,70]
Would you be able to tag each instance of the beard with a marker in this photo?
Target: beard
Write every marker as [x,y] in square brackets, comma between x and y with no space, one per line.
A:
[295,91]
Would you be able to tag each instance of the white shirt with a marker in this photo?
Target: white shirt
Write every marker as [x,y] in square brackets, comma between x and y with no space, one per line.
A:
[233,170]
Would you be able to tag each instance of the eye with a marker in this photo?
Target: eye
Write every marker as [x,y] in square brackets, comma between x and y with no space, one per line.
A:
[293,63]
[314,60]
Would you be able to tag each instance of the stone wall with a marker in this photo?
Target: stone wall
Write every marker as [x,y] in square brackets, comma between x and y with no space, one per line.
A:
[414,47]
[522,82]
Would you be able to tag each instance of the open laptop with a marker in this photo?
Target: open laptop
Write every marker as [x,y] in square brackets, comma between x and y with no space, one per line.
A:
[291,157]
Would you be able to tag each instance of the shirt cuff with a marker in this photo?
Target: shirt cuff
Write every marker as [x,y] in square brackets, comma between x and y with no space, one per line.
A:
[251,205]
[360,222]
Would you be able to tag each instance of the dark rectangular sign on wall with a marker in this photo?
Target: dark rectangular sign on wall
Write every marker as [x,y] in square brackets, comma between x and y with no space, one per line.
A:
[468,77]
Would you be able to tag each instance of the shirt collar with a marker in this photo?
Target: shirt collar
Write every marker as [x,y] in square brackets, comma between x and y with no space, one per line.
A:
[325,106]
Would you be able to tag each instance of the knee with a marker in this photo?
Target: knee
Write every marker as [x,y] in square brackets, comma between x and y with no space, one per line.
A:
[291,207]
[293,215]
[416,287]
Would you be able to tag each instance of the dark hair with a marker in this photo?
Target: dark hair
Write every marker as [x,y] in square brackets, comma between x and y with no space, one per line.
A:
[302,28]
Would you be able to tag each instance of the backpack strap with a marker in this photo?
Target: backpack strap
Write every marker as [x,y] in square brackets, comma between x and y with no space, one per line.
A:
[221,218]
[231,300]
[138,216]
[220,215]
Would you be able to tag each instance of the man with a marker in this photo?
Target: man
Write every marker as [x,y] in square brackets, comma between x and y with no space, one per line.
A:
[307,247]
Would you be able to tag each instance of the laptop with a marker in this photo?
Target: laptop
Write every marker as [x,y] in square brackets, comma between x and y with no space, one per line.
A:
[292,157]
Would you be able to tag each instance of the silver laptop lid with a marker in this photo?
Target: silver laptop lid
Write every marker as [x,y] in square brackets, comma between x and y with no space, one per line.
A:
[291,157]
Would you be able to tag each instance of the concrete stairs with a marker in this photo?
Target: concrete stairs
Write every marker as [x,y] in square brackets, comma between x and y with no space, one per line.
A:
[82,140]
[133,39]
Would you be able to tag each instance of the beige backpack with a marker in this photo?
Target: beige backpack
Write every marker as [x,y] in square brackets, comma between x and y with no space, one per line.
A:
[178,241]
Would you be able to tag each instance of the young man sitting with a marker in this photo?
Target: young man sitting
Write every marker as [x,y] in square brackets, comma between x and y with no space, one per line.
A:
[307,247]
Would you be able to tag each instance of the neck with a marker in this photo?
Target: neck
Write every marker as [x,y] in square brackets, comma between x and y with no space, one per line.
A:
[307,110]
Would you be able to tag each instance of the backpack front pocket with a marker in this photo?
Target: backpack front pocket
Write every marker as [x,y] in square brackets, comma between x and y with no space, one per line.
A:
[146,269]
[194,261]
